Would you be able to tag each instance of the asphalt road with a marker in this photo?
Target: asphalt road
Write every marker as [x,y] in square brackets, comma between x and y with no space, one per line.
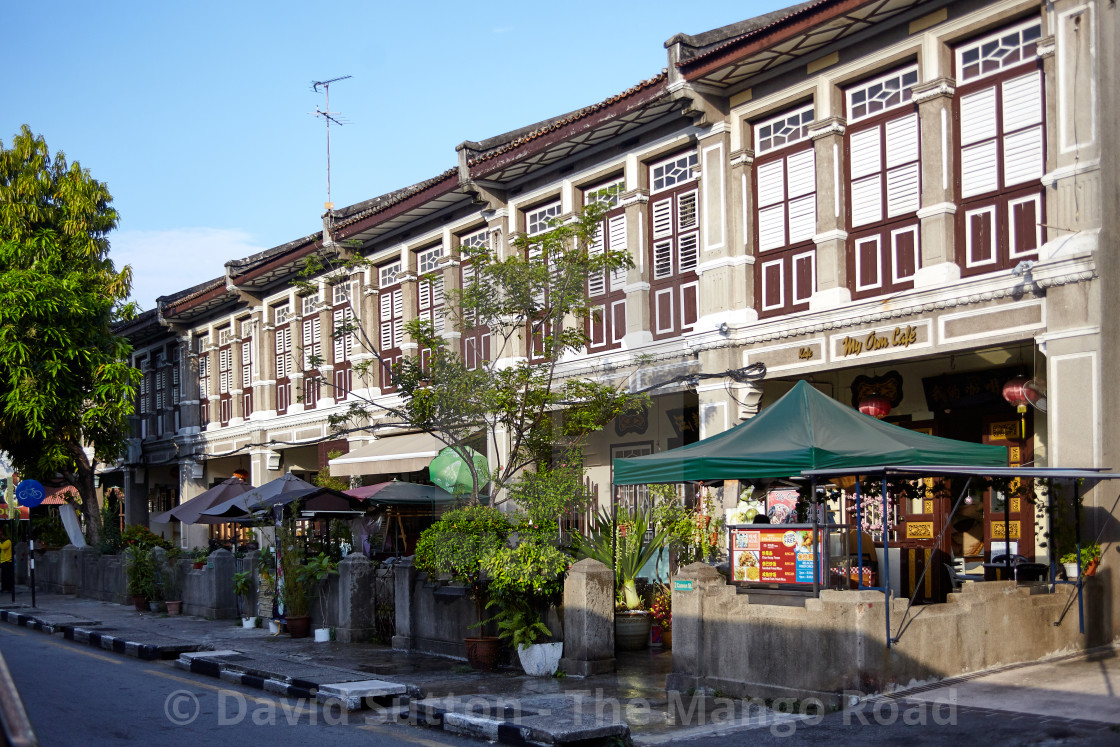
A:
[77,695]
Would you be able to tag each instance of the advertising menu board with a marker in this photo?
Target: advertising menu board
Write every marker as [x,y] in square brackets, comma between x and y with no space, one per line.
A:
[772,555]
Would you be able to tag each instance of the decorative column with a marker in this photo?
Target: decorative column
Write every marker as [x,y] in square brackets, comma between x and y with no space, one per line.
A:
[832,237]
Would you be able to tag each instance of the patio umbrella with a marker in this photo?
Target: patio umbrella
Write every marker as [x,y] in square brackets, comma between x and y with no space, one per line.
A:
[240,505]
[397,493]
[191,511]
[450,471]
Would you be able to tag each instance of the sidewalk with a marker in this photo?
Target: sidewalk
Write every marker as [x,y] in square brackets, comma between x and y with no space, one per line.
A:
[505,705]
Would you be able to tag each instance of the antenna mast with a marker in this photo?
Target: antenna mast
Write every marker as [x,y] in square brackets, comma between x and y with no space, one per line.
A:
[329,116]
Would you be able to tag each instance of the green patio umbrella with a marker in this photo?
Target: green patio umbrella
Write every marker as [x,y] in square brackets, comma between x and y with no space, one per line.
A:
[449,470]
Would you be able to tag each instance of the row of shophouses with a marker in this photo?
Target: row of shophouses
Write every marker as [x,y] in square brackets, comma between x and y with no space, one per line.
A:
[915,200]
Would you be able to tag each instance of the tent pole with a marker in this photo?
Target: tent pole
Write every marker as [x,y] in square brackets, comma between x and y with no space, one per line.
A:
[859,537]
[886,562]
[817,554]
[1077,529]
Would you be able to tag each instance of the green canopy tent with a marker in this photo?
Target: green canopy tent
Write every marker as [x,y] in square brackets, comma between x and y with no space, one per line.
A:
[801,431]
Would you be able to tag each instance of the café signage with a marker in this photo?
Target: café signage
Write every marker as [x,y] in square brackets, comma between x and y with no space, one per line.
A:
[882,340]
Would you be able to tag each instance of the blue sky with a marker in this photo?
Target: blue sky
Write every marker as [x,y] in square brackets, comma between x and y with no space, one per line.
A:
[200,116]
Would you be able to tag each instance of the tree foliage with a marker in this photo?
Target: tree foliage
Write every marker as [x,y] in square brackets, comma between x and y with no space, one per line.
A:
[531,299]
[66,387]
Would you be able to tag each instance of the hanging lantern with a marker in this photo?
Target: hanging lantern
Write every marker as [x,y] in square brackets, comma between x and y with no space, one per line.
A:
[875,405]
[1015,392]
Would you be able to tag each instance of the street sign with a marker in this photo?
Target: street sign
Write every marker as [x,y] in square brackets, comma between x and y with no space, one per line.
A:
[30,493]
[682,584]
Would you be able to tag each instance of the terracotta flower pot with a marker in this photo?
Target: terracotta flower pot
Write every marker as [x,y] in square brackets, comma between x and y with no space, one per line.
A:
[174,608]
[140,603]
[1092,567]
[299,627]
[667,638]
[198,564]
[482,653]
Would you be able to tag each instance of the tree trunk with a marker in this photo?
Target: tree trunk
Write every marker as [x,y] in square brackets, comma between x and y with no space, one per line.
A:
[82,479]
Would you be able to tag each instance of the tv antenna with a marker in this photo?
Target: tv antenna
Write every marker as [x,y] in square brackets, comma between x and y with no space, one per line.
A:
[329,116]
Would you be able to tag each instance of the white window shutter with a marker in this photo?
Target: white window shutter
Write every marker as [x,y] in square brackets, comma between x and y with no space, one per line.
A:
[867,201]
[901,140]
[662,218]
[801,174]
[596,281]
[686,211]
[771,183]
[425,295]
[802,219]
[865,152]
[978,116]
[903,193]
[616,235]
[386,321]
[1022,102]
[398,311]
[663,259]
[772,227]
[979,169]
[1022,156]
[688,252]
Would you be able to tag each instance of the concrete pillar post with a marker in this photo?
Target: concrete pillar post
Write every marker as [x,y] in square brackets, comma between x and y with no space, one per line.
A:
[355,599]
[588,619]
[689,588]
[404,577]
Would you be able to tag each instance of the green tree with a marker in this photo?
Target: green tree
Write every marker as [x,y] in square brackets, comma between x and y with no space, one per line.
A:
[532,300]
[66,387]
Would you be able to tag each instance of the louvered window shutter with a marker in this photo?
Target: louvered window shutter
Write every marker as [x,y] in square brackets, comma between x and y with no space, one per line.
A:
[772,209]
[686,211]
[663,259]
[616,235]
[1022,121]
[979,159]
[801,178]
[662,218]
[596,281]
[281,353]
[437,304]
[867,186]
[902,148]
[246,364]
[398,312]
[386,321]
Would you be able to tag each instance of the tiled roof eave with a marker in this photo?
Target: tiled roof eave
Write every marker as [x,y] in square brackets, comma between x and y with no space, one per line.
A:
[765,36]
[638,95]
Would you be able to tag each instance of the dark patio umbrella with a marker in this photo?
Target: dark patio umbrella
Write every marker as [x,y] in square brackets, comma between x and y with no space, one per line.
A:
[191,511]
[241,504]
[397,493]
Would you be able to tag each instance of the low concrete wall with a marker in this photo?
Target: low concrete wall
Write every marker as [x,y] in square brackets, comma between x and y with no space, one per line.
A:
[431,618]
[837,643]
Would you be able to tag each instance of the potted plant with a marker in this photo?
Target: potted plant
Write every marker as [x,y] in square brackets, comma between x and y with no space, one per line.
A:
[622,542]
[661,611]
[292,586]
[140,574]
[243,587]
[199,556]
[456,546]
[1090,558]
[169,576]
[523,580]
[315,571]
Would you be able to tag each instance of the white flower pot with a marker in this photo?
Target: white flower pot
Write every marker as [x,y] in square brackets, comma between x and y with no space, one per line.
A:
[1071,571]
[322,635]
[274,627]
[248,622]
[540,659]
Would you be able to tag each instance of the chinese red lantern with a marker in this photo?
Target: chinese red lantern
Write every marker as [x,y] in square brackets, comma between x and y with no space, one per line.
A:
[1015,392]
[875,405]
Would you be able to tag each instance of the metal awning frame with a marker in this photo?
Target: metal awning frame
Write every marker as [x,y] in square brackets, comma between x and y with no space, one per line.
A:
[1084,477]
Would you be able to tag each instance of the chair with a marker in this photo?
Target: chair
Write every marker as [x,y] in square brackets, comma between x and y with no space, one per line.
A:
[959,578]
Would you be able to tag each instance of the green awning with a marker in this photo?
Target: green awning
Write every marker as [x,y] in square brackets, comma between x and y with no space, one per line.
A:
[803,430]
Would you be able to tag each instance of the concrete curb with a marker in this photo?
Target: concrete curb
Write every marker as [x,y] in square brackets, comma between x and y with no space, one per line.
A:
[167,649]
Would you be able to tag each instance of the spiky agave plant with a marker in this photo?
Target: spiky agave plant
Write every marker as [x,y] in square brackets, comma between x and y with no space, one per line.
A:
[628,554]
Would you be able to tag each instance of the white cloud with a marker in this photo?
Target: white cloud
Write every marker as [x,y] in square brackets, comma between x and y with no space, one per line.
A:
[164,262]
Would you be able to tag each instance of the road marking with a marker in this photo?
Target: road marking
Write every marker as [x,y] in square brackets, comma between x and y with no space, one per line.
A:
[401,737]
[194,683]
[77,649]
